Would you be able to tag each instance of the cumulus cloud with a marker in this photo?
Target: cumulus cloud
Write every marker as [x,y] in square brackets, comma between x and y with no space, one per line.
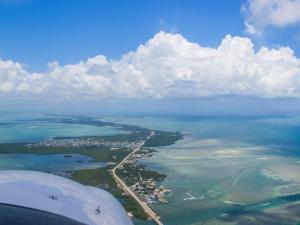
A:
[263,14]
[15,79]
[168,65]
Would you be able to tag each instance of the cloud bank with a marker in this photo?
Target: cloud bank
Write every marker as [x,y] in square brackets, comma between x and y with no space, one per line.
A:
[168,65]
[263,14]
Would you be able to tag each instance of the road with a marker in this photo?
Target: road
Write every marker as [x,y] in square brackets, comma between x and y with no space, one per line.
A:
[143,204]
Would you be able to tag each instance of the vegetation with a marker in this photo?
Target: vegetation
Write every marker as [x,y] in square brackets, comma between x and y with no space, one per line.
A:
[102,177]
[131,174]
[97,153]
[163,138]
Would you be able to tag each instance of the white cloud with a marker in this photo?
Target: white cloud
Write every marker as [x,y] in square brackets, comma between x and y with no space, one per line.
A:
[263,14]
[167,65]
[15,79]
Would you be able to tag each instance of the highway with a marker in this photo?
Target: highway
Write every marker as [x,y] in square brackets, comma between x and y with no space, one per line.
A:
[143,204]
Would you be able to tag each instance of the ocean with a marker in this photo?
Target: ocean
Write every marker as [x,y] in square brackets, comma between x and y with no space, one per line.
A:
[224,164]
[222,168]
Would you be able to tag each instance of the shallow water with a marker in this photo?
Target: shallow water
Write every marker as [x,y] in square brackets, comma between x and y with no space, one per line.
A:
[47,163]
[27,128]
[30,128]
[221,162]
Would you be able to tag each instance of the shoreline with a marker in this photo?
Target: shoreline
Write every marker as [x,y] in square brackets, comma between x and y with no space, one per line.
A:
[113,148]
[143,204]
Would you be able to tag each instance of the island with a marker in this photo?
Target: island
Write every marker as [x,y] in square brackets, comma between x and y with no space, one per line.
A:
[124,175]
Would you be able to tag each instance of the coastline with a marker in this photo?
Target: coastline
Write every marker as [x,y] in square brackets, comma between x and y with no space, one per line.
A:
[108,148]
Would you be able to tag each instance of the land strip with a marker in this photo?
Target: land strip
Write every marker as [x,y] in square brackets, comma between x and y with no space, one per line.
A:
[127,189]
[118,149]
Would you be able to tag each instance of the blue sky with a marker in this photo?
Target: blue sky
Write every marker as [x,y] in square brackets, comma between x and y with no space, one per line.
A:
[35,32]
[149,49]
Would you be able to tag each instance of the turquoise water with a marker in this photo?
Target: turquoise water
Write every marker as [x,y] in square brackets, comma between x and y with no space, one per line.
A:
[30,128]
[284,131]
[47,163]
[27,128]
[219,160]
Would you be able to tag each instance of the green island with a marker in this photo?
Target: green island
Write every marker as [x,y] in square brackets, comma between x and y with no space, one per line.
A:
[112,149]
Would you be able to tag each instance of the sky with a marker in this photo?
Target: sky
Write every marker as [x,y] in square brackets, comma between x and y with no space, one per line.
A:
[35,32]
[148,49]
